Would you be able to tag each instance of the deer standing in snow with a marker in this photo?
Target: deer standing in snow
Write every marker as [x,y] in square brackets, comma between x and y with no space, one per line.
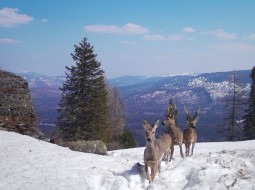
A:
[171,124]
[190,135]
[155,149]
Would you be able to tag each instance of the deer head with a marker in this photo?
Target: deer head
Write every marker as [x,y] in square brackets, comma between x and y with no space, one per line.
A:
[171,107]
[171,113]
[192,121]
[150,130]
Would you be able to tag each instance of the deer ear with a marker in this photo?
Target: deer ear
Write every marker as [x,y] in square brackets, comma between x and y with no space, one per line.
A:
[172,103]
[156,124]
[196,118]
[145,123]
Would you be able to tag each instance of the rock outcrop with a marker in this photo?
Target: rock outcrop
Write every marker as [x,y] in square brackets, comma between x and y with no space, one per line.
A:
[95,147]
[17,111]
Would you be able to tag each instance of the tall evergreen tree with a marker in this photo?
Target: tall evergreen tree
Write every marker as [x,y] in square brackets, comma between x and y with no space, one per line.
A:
[83,109]
[233,108]
[249,118]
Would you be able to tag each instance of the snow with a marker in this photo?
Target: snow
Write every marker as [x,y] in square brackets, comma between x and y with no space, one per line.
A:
[28,163]
[217,90]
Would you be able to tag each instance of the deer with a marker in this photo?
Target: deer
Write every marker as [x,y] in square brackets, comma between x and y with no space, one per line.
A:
[169,122]
[190,135]
[155,149]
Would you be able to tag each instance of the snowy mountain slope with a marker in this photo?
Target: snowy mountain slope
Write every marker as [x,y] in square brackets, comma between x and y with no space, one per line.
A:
[150,100]
[28,163]
[147,98]
[37,80]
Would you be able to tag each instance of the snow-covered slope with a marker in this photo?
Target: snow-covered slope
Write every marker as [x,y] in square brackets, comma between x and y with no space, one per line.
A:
[147,97]
[28,163]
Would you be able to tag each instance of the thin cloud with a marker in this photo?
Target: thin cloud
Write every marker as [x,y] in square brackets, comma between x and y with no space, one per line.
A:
[8,41]
[10,17]
[154,37]
[128,28]
[158,37]
[175,37]
[134,29]
[251,37]
[44,20]
[104,29]
[221,35]
[129,42]
[188,29]
[234,47]
[190,39]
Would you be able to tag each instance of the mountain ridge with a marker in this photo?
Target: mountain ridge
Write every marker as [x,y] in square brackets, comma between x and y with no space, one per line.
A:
[148,97]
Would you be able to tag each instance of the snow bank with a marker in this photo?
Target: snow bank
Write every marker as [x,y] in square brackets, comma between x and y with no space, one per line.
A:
[28,163]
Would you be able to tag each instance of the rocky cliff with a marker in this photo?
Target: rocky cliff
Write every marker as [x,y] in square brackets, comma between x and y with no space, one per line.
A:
[16,107]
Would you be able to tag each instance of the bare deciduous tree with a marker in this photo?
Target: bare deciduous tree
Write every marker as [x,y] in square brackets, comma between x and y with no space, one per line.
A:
[233,108]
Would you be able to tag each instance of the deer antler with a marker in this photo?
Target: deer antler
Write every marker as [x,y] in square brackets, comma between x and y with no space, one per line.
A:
[187,113]
[197,113]
[170,111]
[172,103]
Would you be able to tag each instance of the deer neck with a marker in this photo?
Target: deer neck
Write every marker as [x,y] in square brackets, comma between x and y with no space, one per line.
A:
[191,127]
[173,125]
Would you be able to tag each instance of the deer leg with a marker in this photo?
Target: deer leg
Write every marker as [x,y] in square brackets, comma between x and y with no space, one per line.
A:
[180,145]
[165,157]
[159,167]
[168,153]
[146,171]
[186,148]
[172,153]
[193,145]
[189,145]
[153,173]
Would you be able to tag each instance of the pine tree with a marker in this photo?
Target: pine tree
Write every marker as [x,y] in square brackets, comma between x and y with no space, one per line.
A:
[233,109]
[127,139]
[83,109]
[249,118]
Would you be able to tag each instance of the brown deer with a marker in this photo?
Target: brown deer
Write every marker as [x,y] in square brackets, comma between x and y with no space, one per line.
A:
[155,149]
[190,135]
[171,124]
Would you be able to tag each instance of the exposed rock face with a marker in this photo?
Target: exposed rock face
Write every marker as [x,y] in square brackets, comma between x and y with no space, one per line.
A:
[16,106]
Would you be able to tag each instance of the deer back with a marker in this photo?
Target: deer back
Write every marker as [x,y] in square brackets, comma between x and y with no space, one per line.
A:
[166,142]
[171,124]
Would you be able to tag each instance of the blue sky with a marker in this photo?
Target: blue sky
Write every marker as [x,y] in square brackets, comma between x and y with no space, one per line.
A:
[134,37]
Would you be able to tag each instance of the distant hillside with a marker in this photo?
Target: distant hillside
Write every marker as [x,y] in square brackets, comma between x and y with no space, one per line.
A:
[46,95]
[148,97]
[150,100]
